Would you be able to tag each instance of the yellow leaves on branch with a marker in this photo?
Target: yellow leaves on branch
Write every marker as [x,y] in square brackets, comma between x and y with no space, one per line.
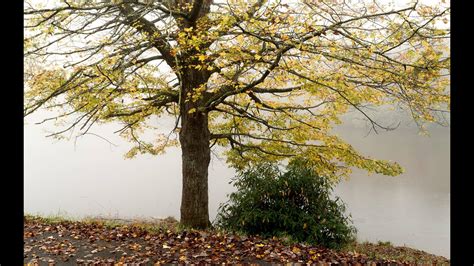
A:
[155,148]
[202,57]
[334,66]
[196,94]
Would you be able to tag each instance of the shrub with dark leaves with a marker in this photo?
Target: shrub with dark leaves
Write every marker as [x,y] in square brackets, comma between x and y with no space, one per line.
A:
[295,204]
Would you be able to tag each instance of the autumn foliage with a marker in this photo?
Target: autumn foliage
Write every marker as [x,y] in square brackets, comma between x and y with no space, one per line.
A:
[258,80]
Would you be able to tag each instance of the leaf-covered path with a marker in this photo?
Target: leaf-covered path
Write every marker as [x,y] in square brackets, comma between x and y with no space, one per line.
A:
[93,243]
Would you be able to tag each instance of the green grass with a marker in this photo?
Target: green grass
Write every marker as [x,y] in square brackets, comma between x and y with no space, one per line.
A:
[50,219]
[164,224]
[386,243]
[386,250]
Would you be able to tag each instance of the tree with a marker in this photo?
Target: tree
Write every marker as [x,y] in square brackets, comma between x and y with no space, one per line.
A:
[267,80]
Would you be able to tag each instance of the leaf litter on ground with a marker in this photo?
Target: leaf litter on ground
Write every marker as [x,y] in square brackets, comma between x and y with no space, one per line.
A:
[66,242]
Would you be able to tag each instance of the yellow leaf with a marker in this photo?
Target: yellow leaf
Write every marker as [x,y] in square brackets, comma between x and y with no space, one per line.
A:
[296,250]
[202,57]
[192,110]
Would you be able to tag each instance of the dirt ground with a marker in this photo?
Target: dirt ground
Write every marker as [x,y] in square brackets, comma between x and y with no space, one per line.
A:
[111,243]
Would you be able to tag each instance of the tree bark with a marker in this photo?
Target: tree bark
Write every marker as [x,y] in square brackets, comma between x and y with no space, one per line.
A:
[194,137]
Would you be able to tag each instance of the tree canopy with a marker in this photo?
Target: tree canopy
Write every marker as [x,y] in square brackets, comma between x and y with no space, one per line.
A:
[274,76]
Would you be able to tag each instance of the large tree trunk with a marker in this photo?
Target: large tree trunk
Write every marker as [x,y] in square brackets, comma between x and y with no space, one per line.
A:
[194,138]
[194,135]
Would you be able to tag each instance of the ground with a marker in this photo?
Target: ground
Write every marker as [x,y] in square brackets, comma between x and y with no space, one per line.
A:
[53,241]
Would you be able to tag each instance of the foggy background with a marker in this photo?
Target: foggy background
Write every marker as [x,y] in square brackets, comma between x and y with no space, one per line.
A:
[92,178]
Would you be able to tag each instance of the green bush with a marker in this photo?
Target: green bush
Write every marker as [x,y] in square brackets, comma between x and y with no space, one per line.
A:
[295,204]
